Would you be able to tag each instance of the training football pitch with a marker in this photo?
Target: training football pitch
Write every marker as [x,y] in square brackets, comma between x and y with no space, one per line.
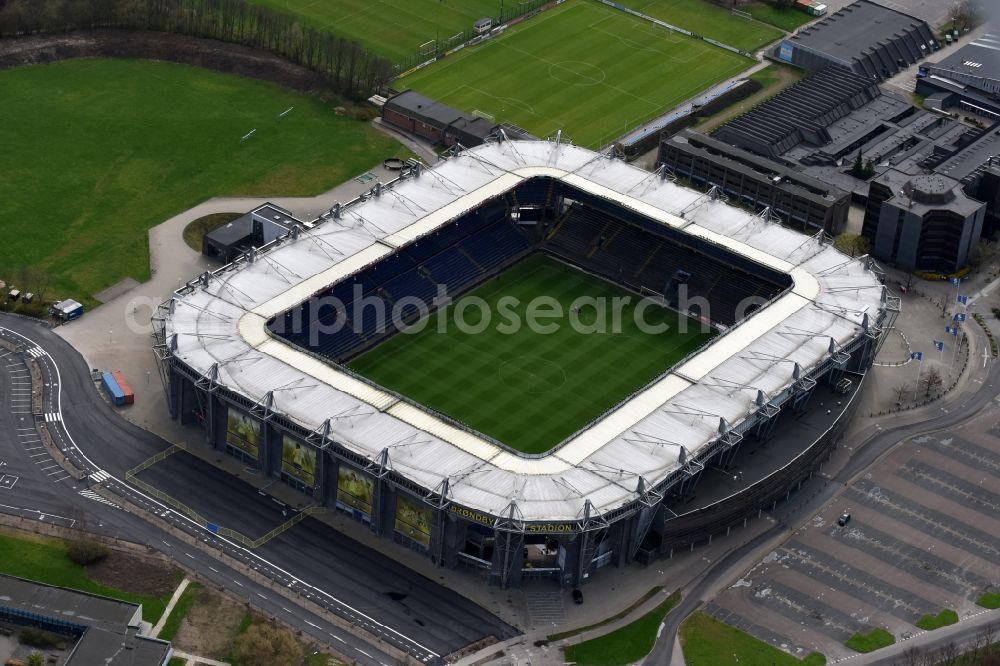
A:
[98,151]
[524,386]
[585,68]
[393,29]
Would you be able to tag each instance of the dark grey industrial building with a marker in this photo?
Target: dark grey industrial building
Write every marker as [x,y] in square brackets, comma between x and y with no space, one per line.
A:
[932,171]
[98,629]
[868,38]
[796,198]
[969,79]
[923,222]
[255,229]
[799,113]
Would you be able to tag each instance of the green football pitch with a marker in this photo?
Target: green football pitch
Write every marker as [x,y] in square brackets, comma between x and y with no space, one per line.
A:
[98,151]
[588,69]
[522,385]
[710,20]
[394,29]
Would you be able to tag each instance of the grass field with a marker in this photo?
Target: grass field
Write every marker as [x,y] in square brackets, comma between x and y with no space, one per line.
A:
[624,645]
[45,561]
[98,151]
[582,67]
[709,20]
[392,28]
[528,389]
[708,642]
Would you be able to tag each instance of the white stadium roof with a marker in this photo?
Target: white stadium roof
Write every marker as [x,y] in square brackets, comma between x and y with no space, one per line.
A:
[224,323]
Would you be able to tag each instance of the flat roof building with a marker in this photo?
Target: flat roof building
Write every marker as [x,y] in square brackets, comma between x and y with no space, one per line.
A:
[969,78]
[793,196]
[255,229]
[866,37]
[924,222]
[106,631]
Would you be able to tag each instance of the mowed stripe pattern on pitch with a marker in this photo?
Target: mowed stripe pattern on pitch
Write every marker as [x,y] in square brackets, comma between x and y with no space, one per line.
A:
[528,389]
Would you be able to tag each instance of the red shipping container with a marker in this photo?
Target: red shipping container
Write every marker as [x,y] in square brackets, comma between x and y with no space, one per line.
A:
[123,385]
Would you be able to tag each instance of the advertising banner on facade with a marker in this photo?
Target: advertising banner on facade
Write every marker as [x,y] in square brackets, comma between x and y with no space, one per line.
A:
[414,519]
[243,432]
[354,489]
[298,460]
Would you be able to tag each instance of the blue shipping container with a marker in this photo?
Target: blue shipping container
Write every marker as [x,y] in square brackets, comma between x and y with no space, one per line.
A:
[113,390]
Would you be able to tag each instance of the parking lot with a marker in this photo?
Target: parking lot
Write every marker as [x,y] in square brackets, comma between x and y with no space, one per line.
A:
[918,542]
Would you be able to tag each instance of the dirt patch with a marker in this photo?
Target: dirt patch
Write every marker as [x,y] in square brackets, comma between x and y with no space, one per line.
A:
[133,573]
[210,626]
[208,53]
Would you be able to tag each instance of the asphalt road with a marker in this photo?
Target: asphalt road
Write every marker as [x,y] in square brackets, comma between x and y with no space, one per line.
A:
[392,602]
[866,451]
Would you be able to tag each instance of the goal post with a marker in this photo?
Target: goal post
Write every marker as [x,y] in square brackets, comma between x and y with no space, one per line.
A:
[654,296]
[483,114]
[742,13]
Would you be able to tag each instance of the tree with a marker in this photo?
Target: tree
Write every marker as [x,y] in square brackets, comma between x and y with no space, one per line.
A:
[266,645]
[86,551]
[36,659]
[852,244]
[967,14]
[930,381]
[901,391]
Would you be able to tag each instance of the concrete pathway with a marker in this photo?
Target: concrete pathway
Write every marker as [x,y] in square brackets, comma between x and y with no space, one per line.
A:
[117,334]
[195,660]
[170,606]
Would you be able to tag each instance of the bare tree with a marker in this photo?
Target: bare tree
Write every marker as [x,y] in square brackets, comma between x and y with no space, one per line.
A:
[966,14]
[901,391]
[931,381]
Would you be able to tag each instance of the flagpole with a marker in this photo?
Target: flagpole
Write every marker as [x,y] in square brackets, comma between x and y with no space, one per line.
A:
[916,387]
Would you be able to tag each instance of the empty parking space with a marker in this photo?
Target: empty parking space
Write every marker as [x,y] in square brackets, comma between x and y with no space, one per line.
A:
[921,538]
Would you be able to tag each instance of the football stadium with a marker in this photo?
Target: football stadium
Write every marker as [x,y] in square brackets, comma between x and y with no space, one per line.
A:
[531,360]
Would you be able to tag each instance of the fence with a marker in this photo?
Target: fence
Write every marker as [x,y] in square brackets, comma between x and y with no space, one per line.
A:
[674,28]
[508,16]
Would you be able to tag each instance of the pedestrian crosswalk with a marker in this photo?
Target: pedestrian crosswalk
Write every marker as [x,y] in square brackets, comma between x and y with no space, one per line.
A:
[100,476]
[36,352]
[91,495]
[52,417]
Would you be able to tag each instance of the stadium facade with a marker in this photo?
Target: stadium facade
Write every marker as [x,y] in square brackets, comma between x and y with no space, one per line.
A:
[285,403]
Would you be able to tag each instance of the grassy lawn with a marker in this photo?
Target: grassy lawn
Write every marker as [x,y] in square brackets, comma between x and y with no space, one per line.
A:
[875,639]
[582,67]
[774,78]
[708,642]
[528,389]
[98,151]
[708,20]
[392,28]
[638,602]
[787,19]
[989,600]
[196,229]
[943,619]
[626,644]
[179,612]
[45,561]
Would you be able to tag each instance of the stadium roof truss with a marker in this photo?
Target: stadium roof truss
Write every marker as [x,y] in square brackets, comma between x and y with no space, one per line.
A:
[216,327]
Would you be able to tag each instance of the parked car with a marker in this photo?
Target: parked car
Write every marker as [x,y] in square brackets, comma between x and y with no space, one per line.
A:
[844,519]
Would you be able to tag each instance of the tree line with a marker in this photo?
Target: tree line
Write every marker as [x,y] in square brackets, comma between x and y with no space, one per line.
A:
[349,68]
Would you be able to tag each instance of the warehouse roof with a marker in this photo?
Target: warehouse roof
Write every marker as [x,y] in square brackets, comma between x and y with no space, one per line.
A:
[222,325]
[851,31]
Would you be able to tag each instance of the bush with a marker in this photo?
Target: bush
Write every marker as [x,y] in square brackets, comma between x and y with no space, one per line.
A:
[36,659]
[989,600]
[86,551]
[875,639]
[944,618]
[40,639]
